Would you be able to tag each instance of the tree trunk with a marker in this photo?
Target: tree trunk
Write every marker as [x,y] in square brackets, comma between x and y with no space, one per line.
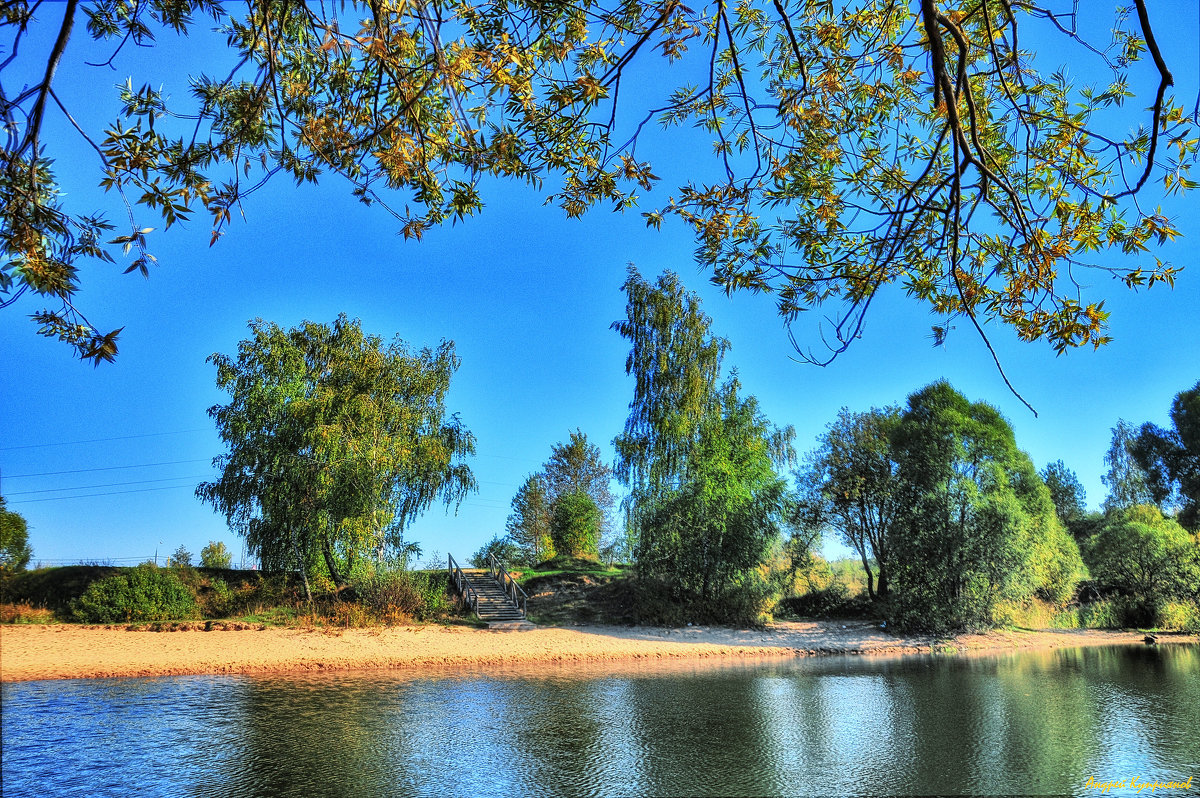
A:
[331,563]
[303,571]
[882,588]
[870,576]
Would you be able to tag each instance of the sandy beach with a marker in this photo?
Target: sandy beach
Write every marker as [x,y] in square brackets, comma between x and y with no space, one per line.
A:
[73,652]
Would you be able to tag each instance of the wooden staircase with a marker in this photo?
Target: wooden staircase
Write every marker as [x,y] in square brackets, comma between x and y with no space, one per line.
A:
[491,602]
[493,605]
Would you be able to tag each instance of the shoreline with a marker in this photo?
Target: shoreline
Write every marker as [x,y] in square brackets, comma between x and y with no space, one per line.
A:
[32,653]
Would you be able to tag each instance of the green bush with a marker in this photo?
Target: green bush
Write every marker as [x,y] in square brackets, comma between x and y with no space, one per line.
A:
[1105,614]
[217,600]
[144,593]
[654,602]
[1142,554]
[1068,618]
[391,595]
[575,526]
[833,601]
[215,555]
[1179,615]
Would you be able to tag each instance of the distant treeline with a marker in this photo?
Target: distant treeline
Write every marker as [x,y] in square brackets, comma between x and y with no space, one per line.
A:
[337,440]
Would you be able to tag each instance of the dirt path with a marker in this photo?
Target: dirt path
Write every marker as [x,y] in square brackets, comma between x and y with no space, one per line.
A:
[70,652]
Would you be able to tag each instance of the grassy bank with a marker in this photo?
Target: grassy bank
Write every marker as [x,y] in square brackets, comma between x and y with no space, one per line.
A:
[561,593]
[147,594]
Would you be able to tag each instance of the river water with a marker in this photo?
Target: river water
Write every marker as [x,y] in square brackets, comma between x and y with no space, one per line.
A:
[1026,723]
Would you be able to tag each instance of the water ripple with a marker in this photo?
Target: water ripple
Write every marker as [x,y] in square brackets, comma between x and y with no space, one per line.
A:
[1026,723]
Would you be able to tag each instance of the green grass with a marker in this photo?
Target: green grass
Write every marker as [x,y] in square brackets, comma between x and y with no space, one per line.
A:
[50,595]
[53,588]
[271,616]
[26,614]
[568,566]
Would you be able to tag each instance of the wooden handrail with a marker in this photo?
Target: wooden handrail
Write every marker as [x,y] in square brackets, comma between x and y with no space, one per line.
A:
[508,583]
[462,584]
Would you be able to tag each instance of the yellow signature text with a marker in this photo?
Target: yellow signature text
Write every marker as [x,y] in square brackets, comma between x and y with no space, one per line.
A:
[1132,783]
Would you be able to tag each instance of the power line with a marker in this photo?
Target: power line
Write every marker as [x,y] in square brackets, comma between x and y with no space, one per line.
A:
[107,485]
[172,487]
[103,440]
[107,468]
[91,560]
[107,493]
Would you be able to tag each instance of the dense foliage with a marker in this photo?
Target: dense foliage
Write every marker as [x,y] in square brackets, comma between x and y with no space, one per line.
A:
[336,442]
[1170,458]
[977,527]
[1143,555]
[575,525]
[573,467]
[854,145]
[15,552]
[577,467]
[710,535]
[215,555]
[706,502]
[676,366]
[393,595]
[145,593]
[235,599]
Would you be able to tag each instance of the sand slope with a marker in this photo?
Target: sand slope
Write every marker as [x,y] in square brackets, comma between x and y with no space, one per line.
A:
[70,652]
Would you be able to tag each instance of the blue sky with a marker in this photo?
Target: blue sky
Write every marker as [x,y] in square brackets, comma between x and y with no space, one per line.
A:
[102,461]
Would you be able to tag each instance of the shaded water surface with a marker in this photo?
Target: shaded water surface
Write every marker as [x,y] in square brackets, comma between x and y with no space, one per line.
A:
[1041,722]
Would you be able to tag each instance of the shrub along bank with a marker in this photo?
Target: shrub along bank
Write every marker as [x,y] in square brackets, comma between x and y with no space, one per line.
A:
[146,593]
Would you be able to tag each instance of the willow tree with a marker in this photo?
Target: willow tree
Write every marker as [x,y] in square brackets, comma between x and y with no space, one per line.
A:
[676,365]
[699,459]
[856,144]
[710,535]
[337,440]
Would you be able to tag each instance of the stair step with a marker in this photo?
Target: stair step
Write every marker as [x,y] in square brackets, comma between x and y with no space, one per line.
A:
[493,604]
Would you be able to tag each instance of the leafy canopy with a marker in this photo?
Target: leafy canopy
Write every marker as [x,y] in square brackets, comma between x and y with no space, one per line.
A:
[851,479]
[336,441]
[1143,554]
[712,533]
[573,467]
[977,527]
[15,552]
[1170,458]
[215,555]
[575,526]
[706,501]
[855,145]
